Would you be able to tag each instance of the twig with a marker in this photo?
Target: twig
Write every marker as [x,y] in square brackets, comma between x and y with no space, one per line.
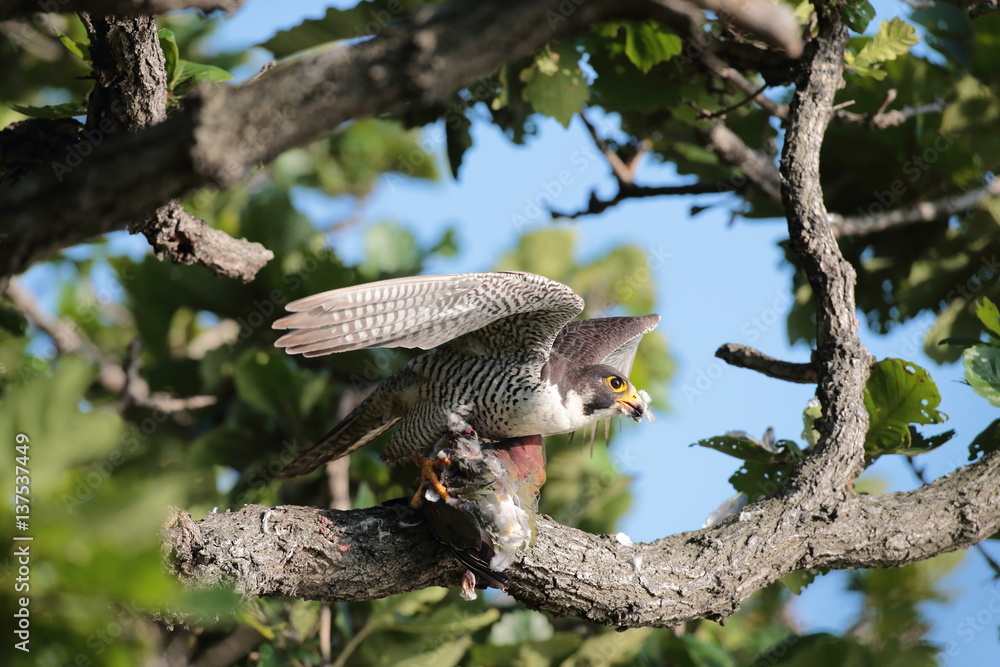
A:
[755,360]
[927,211]
[122,381]
[621,170]
[723,70]
[882,119]
[625,191]
[230,649]
[721,113]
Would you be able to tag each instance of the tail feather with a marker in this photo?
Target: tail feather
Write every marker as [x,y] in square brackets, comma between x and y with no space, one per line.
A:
[358,428]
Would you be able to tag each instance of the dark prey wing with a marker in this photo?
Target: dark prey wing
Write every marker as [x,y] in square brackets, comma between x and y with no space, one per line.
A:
[608,340]
[422,311]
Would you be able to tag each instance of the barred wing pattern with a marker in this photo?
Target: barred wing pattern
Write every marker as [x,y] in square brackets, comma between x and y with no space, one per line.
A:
[423,312]
[609,340]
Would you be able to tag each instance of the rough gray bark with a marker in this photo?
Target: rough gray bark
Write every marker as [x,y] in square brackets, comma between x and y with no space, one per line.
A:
[130,93]
[224,132]
[364,554]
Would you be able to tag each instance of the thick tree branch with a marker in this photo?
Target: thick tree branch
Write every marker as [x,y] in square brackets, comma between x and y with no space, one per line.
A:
[225,131]
[357,555]
[747,357]
[130,93]
[842,361]
[15,9]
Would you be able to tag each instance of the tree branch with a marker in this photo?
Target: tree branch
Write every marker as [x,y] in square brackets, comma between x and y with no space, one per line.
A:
[16,9]
[747,357]
[130,93]
[758,168]
[775,24]
[123,380]
[882,119]
[225,131]
[842,361]
[926,211]
[628,191]
[329,555]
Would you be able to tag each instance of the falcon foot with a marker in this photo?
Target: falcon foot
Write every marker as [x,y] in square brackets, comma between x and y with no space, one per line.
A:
[429,468]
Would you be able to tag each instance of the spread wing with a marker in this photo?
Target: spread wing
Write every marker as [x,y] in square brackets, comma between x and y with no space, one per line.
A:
[608,340]
[427,311]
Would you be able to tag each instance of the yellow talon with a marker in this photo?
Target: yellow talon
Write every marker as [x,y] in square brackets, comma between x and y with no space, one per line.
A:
[428,475]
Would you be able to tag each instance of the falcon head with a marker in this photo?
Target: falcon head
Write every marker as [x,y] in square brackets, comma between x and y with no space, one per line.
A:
[605,392]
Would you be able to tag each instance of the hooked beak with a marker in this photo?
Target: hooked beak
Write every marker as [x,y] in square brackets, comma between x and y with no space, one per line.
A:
[632,405]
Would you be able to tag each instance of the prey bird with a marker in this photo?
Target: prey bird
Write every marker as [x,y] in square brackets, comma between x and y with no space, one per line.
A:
[503,349]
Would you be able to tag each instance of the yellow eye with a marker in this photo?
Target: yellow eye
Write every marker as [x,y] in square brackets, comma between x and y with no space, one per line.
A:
[616,383]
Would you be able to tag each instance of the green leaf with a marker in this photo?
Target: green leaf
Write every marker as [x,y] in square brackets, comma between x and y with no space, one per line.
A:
[609,648]
[264,380]
[989,315]
[748,449]
[797,581]
[555,84]
[81,51]
[898,393]
[893,39]
[812,412]
[446,655]
[961,341]
[647,44]
[857,15]
[449,619]
[982,370]
[921,444]
[705,653]
[757,479]
[390,248]
[303,617]
[804,11]
[517,627]
[171,52]
[986,442]
[457,139]
[51,112]
[188,71]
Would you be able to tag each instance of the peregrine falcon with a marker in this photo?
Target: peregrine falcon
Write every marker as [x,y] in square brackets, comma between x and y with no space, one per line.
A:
[502,349]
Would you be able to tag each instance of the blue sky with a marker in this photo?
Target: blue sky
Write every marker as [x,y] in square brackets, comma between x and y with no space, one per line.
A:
[716,282]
